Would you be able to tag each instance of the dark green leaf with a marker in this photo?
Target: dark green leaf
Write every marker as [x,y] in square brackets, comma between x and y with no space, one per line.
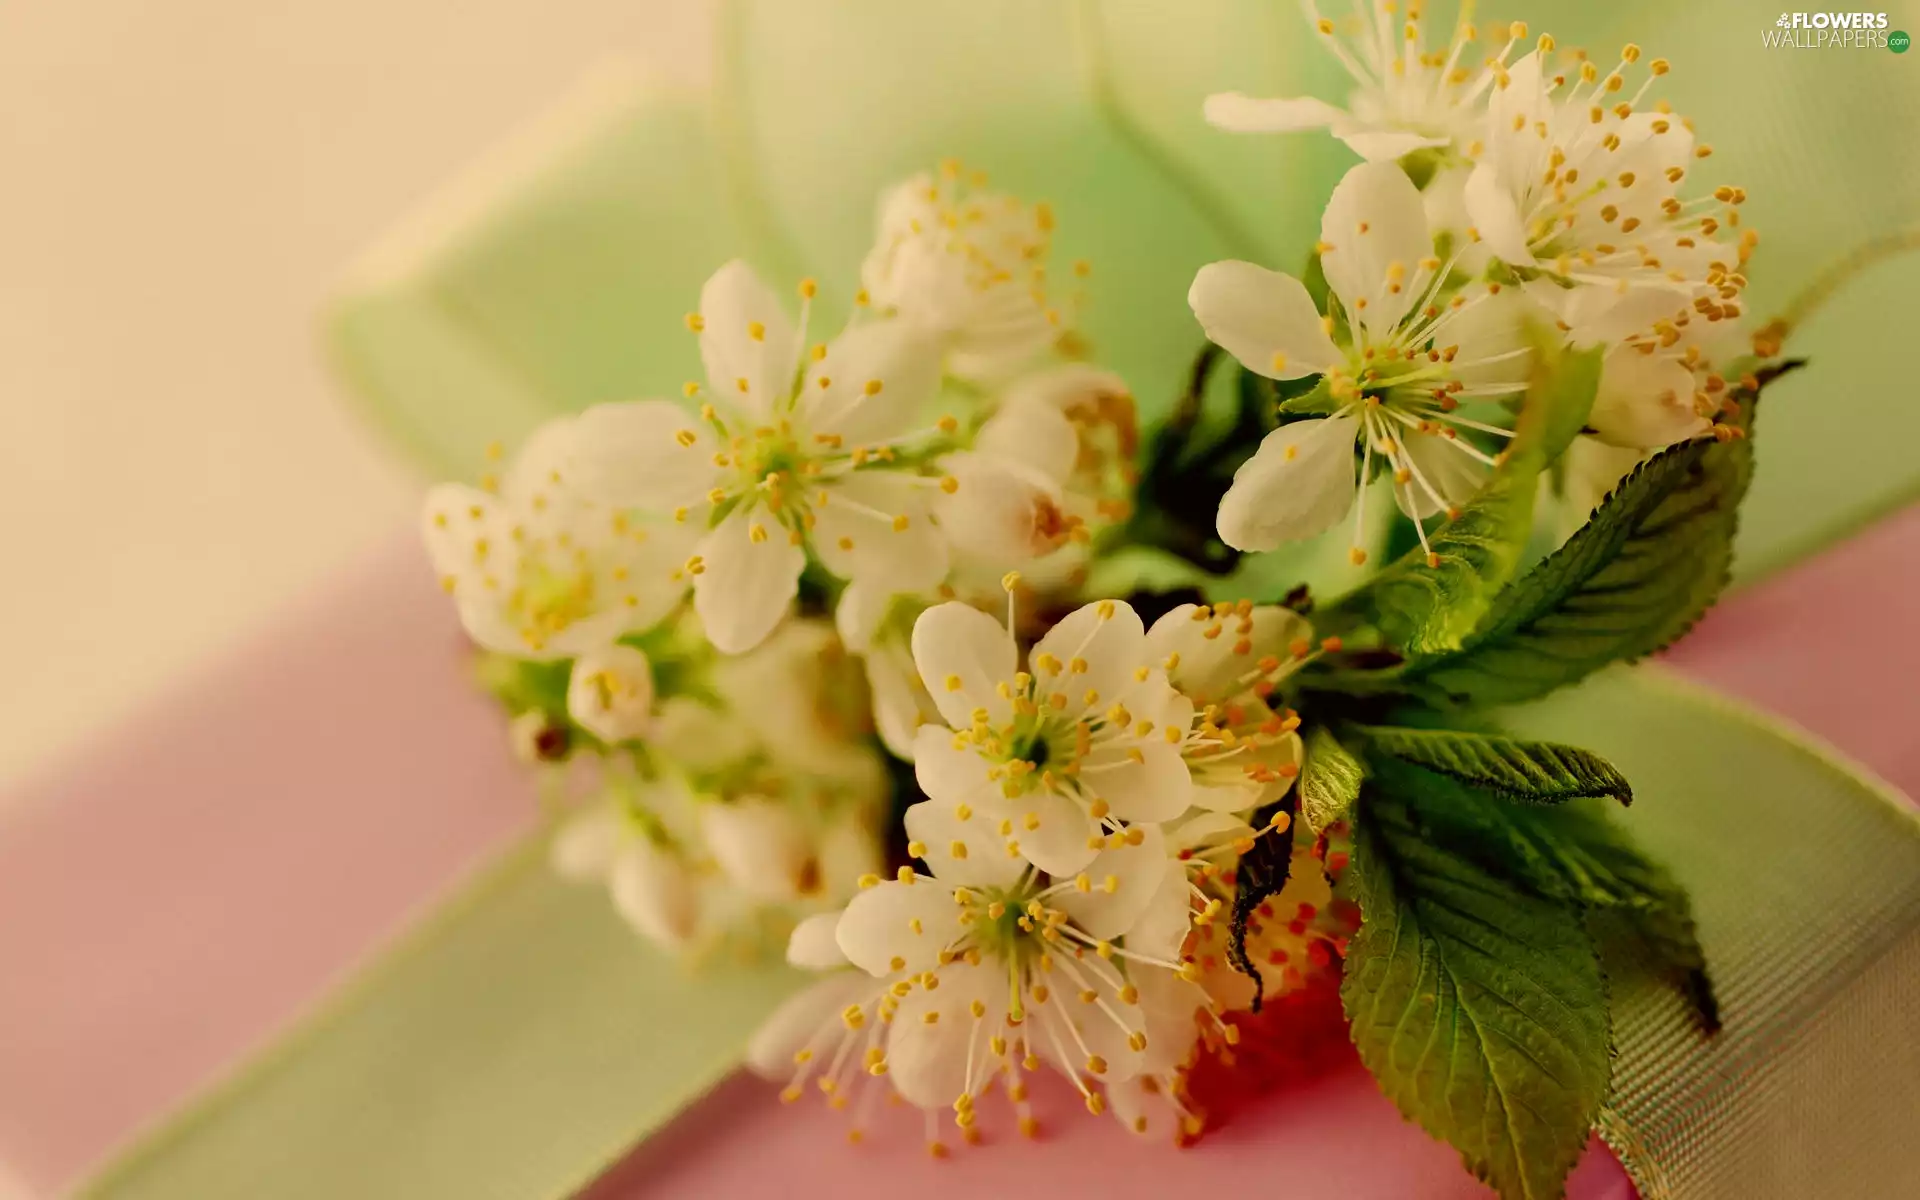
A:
[1573,853]
[1531,772]
[1261,872]
[1478,1005]
[1329,781]
[1652,558]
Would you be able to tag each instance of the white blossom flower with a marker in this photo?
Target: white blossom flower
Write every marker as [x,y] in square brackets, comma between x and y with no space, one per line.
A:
[1226,661]
[1583,187]
[1098,480]
[1406,97]
[1409,356]
[790,452]
[1660,381]
[610,693]
[985,967]
[1010,505]
[1290,935]
[536,569]
[651,884]
[967,267]
[1053,761]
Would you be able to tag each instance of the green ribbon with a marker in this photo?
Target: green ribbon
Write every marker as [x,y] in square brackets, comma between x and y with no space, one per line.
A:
[522,1040]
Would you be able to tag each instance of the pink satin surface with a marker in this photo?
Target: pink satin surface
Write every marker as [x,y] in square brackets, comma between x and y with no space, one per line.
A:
[171,901]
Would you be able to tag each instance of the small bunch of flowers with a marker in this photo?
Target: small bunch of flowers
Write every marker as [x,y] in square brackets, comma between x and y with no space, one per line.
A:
[692,606]
[1088,798]
[1129,817]
[1501,192]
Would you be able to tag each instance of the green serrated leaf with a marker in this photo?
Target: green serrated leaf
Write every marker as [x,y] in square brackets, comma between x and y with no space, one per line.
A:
[1479,1006]
[1572,853]
[1260,872]
[1652,558]
[1427,602]
[1329,780]
[1530,772]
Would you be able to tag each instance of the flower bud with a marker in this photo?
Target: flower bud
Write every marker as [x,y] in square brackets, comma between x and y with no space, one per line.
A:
[1645,401]
[1000,513]
[538,738]
[610,694]
[655,892]
[761,848]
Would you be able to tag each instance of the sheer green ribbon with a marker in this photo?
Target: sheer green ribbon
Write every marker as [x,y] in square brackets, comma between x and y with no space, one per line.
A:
[521,1039]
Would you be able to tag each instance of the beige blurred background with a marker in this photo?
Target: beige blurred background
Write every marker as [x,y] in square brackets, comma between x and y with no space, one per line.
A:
[180,185]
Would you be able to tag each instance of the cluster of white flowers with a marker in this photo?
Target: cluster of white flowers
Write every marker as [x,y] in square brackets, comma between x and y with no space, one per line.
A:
[947,434]
[1087,801]
[1500,195]
[721,607]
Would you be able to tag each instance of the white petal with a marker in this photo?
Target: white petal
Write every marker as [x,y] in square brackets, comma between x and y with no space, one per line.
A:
[545,453]
[901,706]
[734,306]
[858,533]
[1168,1003]
[929,1061]
[1002,513]
[1300,483]
[1445,476]
[1157,788]
[1209,669]
[610,693]
[904,363]
[953,776]
[643,454]
[983,862]
[586,845]
[893,926]
[857,618]
[1496,215]
[807,1020]
[1071,1032]
[1514,115]
[1049,830]
[1386,146]
[1136,873]
[1445,200]
[964,655]
[1145,1109]
[814,944]
[747,584]
[1099,646]
[1160,931]
[1374,220]
[1208,830]
[656,893]
[1038,436]
[1645,401]
[469,539]
[1263,318]
[1252,114]
[1492,336]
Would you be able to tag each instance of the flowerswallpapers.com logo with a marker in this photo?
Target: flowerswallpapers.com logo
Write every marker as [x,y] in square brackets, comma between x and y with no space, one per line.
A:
[1832,31]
